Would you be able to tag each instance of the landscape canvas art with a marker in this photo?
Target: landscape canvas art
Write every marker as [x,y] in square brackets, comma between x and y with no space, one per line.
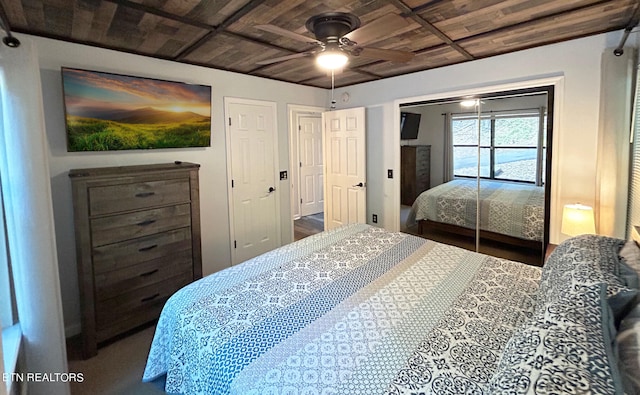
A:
[107,111]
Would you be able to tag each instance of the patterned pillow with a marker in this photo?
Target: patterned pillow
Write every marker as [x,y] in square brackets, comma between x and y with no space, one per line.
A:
[585,260]
[566,349]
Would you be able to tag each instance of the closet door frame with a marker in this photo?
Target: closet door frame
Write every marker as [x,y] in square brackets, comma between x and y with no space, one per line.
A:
[555,89]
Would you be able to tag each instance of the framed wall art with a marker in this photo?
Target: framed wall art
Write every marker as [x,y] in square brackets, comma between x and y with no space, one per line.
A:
[105,111]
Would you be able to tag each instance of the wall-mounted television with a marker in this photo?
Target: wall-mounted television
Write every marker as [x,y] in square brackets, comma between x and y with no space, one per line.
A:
[409,125]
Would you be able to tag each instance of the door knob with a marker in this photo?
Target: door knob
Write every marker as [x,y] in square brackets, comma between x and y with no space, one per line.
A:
[271,189]
[359,185]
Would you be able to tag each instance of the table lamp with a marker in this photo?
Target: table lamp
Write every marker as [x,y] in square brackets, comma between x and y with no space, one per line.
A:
[578,219]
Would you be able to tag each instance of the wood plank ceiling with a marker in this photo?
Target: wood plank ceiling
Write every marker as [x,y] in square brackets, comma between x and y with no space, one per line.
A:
[222,34]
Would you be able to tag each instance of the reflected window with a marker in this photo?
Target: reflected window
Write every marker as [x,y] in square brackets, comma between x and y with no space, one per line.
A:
[511,145]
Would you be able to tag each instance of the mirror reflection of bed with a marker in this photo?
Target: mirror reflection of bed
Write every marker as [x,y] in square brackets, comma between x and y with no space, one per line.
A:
[439,172]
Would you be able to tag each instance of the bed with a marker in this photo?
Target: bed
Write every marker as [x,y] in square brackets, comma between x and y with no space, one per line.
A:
[360,310]
[510,212]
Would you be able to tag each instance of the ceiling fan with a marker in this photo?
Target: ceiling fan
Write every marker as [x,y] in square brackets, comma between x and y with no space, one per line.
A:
[339,35]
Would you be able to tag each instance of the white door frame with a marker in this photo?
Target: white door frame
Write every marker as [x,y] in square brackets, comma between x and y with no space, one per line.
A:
[235,100]
[294,111]
[556,81]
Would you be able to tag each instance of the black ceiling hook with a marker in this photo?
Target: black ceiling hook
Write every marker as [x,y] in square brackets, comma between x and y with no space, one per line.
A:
[11,41]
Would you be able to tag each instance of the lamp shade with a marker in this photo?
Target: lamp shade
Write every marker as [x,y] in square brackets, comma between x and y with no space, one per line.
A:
[578,219]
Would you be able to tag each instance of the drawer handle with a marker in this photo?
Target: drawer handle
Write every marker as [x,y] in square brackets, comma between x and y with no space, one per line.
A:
[146,222]
[145,194]
[151,247]
[148,298]
[147,274]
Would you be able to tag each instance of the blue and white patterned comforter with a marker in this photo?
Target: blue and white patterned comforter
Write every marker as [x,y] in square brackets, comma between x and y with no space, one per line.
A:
[355,310]
[508,208]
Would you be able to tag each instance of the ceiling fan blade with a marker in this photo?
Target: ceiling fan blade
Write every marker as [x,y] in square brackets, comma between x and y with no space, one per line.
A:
[387,54]
[283,58]
[286,33]
[381,27]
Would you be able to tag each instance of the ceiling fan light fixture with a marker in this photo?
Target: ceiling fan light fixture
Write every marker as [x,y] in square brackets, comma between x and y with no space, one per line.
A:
[332,59]
[469,103]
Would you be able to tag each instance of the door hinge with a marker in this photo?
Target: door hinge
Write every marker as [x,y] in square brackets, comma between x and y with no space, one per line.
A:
[300,201]
[229,121]
[235,244]
[299,127]
[232,184]
[300,164]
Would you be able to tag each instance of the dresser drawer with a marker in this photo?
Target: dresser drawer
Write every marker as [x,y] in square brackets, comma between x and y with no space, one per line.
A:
[116,282]
[422,156]
[115,228]
[126,323]
[125,305]
[131,252]
[117,315]
[125,197]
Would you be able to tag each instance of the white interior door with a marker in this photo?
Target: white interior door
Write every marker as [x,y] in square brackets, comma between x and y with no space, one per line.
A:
[310,151]
[344,147]
[252,136]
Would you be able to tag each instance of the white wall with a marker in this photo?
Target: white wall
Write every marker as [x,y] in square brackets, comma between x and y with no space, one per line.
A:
[576,64]
[29,217]
[213,160]
[431,132]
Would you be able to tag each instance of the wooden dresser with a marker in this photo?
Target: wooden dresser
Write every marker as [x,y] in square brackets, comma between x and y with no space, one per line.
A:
[137,242]
[415,172]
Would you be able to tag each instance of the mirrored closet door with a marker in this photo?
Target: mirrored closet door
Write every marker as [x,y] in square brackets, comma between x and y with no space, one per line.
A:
[444,210]
[488,171]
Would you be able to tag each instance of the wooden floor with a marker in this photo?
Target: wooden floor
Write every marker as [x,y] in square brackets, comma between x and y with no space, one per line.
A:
[307,226]
[489,247]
